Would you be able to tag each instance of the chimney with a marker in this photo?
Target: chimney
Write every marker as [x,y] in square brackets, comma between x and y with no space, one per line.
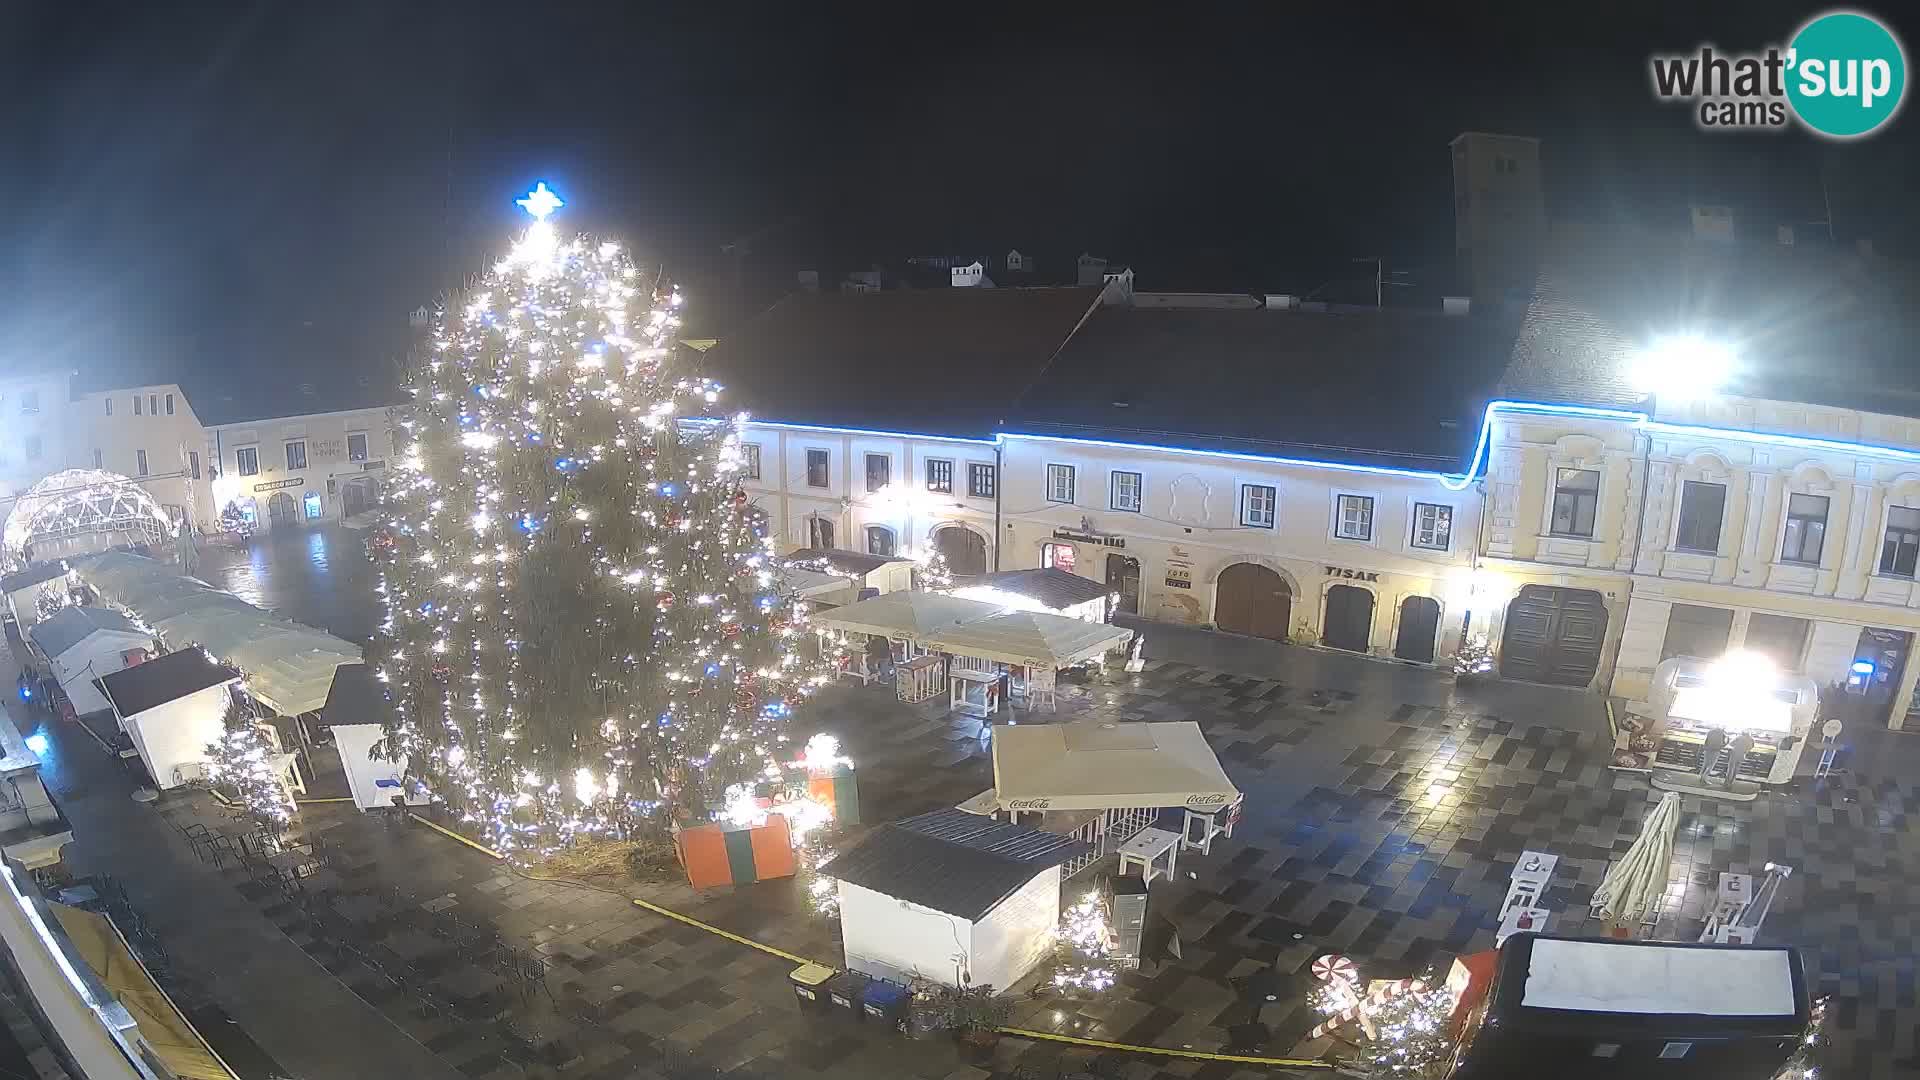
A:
[810,280]
[1119,288]
[1281,301]
[969,276]
[1092,268]
[1456,305]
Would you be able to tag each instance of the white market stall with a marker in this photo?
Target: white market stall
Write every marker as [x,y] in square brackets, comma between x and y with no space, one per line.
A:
[1109,782]
[951,896]
[906,619]
[854,573]
[23,589]
[82,644]
[1028,647]
[1049,589]
[172,708]
[356,712]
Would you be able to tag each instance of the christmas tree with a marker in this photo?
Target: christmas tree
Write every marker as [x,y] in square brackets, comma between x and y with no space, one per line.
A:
[243,761]
[584,631]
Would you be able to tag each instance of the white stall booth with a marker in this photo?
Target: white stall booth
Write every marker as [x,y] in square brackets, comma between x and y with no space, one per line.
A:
[951,896]
[1698,709]
[172,708]
[23,589]
[906,619]
[357,712]
[1049,589]
[853,573]
[1105,784]
[1028,648]
[82,644]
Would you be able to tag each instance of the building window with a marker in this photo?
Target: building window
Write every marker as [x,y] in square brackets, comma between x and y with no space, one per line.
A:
[153,404]
[817,468]
[193,464]
[136,404]
[1693,630]
[140,462]
[311,504]
[879,472]
[1355,518]
[169,404]
[879,540]
[97,459]
[246,460]
[109,402]
[30,401]
[1057,557]
[1123,491]
[820,534]
[1806,529]
[1702,506]
[1257,503]
[940,475]
[980,479]
[357,446]
[33,448]
[1432,526]
[1060,483]
[1576,495]
[1780,638]
[297,454]
[1902,546]
[750,461]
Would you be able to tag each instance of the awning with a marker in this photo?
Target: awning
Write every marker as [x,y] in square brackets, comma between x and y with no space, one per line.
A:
[162,1027]
[909,613]
[1032,638]
[1098,766]
[1046,589]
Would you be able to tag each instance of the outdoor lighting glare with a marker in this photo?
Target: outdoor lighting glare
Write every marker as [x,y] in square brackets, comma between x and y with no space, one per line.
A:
[1682,367]
[1743,672]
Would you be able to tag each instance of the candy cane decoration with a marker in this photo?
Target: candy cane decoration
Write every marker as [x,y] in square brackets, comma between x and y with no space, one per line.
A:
[1334,966]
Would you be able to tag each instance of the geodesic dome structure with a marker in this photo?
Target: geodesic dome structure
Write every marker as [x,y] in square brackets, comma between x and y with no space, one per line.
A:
[75,503]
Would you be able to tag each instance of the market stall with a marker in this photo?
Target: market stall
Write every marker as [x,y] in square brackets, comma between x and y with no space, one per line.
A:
[83,643]
[853,573]
[173,708]
[1103,783]
[24,588]
[357,712]
[953,897]
[1027,647]
[1049,590]
[905,619]
[1700,711]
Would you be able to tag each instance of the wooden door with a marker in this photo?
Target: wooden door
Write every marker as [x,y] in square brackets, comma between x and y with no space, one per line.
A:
[1251,599]
[1349,619]
[1553,635]
[1419,623]
[966,552]
[1123,577]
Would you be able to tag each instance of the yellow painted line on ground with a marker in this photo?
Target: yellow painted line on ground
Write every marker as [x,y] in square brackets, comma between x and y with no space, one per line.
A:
[728,934]
[219,798]
[1198,1055]
[312,802]
[475,845]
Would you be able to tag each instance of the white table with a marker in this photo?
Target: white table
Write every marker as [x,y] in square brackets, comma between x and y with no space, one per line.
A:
[1530,919]
[1145,847]
[1530,876]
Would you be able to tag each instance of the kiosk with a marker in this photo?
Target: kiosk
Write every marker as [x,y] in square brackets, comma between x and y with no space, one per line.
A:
[1700,709]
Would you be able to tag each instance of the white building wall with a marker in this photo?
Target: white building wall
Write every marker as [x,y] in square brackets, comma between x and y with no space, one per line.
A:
[337,471]
[34,419]
[164,429]
[178,732]
[97,655]
[1017,935]
[889,938]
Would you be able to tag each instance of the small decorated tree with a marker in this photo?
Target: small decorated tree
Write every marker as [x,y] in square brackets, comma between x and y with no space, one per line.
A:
[243,761]
[1409,1036]
[1083,948]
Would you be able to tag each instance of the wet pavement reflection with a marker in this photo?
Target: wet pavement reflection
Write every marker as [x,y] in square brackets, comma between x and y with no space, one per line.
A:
[318,576]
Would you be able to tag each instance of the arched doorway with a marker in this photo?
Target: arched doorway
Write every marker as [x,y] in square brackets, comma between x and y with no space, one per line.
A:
[280,509]
[1419,623]
[356,496]
[1553,635]
[1123,577]
[1349,621]
[1253,600]
[965,550]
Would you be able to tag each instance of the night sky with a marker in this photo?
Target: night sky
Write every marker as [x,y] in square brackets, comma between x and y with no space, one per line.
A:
[245,192]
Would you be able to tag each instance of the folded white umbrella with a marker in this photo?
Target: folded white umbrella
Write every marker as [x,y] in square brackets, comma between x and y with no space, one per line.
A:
[1636,884]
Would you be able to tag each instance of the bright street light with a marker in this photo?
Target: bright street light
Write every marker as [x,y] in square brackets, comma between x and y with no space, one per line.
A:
[1682,367]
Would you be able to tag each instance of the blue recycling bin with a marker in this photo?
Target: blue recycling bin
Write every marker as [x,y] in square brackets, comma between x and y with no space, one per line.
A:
[886,1003]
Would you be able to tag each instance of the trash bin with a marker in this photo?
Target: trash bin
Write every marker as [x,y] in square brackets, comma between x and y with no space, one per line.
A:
[810,986]
[886,1003]
[844,991]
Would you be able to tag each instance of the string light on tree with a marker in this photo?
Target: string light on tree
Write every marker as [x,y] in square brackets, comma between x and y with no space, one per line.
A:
[1084,947]
[583,632]
[244,759]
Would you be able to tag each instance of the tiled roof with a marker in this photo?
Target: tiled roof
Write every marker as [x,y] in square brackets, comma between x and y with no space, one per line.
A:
[1807,323]
[952,861]
[167,678]
[937,361]
[355,698]
[33,575]
[1390,388]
